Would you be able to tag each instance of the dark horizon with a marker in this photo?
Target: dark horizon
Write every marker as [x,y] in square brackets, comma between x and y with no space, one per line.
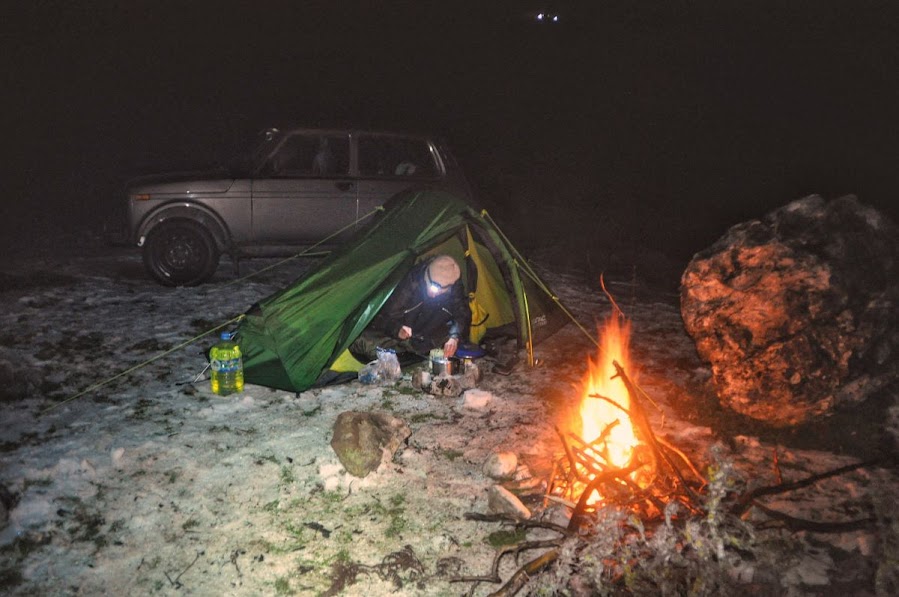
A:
[676,120]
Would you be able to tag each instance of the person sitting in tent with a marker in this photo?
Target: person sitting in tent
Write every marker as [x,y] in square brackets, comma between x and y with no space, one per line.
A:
[429,309]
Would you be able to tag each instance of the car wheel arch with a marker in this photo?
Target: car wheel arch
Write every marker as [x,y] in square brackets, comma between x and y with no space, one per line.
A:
[191,212]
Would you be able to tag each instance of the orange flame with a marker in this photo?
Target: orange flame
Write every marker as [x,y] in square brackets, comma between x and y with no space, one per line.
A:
[599,417]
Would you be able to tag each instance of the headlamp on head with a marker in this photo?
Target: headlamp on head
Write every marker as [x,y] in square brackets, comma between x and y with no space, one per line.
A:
[433,286]
[441,273]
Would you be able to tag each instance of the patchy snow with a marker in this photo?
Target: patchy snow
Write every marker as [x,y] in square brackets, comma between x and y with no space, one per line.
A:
[150,484]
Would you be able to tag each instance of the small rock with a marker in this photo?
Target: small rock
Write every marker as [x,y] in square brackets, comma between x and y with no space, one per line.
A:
[332,484]
[502,501]
[421,379]
[117,455]
[362,440]
[444,385]
[501,465]
[87,467]
[529,485]
[557,514]
[476,399]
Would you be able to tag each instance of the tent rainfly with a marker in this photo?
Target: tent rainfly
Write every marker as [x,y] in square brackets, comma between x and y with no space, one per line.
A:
[298,337]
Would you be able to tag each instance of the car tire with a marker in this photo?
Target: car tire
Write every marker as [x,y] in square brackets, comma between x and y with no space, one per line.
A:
[180,253]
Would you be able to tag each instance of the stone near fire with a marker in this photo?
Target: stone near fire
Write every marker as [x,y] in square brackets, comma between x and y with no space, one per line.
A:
[502,501]
[421,379]
[476,399]
[501,465]
[444,385]
[798,313]
[362,440]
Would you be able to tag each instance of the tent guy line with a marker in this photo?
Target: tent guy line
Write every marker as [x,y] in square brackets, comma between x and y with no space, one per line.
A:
[153,359]
[307,252]
[304,253]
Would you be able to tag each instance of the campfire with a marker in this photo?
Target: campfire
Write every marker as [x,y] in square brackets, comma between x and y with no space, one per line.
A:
[634,499]
[611,454]
[604,434]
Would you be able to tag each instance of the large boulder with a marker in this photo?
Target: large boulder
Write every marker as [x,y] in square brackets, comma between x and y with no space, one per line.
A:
[798,313]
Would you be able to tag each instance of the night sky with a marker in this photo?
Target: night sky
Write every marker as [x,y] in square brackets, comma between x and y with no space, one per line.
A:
[673,120]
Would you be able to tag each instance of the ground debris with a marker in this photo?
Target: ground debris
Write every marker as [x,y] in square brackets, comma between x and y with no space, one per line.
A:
[399,568]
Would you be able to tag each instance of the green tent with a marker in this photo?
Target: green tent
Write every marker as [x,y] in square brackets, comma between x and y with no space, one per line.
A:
[298,337]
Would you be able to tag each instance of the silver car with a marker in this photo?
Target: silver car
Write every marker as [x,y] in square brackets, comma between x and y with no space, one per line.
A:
[295,188]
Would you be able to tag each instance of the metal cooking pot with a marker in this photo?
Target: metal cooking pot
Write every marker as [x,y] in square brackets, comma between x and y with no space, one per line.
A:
[445,366]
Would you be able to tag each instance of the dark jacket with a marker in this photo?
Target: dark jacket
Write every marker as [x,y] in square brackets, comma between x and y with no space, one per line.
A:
[433,320]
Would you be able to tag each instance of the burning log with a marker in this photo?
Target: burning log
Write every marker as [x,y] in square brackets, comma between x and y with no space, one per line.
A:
[579,516]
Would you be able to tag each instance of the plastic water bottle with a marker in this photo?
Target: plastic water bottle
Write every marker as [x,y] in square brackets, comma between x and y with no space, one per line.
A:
[226,363]
[389,364]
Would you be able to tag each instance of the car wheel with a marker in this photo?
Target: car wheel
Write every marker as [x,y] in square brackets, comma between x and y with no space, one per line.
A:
[180,253]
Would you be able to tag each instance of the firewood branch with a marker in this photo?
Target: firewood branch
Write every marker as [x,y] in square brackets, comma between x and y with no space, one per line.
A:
[643,425]
[801,524]
[580,511]
[748,500]
[493,576]
[662,441]
[671,447]
[523,574]
[525,524]
[572,461]
[594,448]
[611,401]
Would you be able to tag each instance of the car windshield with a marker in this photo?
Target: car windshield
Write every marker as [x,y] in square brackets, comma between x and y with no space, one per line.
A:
[256,150]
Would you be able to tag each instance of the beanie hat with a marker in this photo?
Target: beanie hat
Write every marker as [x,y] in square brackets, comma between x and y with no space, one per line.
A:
[444,271]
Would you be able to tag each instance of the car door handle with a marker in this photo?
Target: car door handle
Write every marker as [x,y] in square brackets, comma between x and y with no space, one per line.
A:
[344,186]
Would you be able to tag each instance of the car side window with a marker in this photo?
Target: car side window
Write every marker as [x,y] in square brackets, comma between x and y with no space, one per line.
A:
[383,156]
[311,156]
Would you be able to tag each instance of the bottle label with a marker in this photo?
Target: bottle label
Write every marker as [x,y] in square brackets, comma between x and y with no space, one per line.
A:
[225,365]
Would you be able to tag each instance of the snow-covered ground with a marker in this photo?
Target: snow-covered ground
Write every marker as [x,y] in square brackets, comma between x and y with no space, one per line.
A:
[151,484]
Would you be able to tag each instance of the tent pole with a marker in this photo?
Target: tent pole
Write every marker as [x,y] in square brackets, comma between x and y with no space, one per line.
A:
[527,317]
[536,279]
